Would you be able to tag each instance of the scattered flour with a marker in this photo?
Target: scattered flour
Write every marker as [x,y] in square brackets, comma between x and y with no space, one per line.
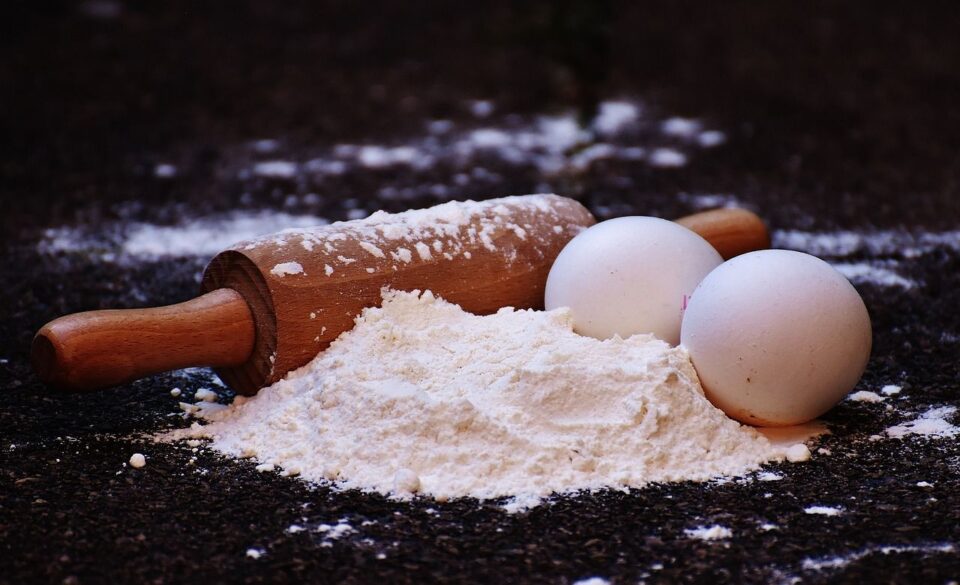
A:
[711,138]
[865,396]
[552,144]
[797,453]
[681,127]
[932,423]
[891,390]
[592,581]
[711,200]
[875,272]
[876,243]
[838,562]
[277,169]
[422,396]
[481,108]
[164,171]
[203,236]
[209,235]
[667,157]
[255,553]
[715,532]
[265,146]
[823,510]
[378,157]
[205,395]
[614,116]
[335,531]
[896,245]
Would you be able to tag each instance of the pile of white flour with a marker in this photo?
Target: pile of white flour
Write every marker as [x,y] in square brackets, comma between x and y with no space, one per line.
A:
[422,397]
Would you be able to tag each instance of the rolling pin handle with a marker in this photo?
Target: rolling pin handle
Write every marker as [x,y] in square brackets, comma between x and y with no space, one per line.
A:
[731,231]
[96,349]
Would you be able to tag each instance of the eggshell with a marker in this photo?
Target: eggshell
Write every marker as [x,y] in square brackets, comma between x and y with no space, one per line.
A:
[629,275]
[777,337]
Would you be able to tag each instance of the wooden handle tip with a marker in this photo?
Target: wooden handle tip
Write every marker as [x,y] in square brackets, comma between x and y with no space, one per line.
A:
[45,358]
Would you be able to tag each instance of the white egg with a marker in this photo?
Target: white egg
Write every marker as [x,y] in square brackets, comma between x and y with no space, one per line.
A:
[777,337]
[629,275]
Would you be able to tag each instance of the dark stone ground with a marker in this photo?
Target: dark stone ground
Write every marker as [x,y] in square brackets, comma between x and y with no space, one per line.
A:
[838,115]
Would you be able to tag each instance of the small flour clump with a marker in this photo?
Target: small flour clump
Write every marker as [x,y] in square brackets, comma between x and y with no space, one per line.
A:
[285,268]
[424,397]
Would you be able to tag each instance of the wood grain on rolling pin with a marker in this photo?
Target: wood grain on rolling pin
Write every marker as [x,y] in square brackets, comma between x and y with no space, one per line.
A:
[306,287]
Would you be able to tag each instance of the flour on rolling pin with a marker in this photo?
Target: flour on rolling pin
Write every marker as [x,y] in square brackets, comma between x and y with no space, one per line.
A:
[447,231]
[306,286]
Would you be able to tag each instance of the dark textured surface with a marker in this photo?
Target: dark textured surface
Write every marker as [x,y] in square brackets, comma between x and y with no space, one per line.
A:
[838,115]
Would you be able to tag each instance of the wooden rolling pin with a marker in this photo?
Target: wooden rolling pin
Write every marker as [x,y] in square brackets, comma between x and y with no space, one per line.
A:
[271,304]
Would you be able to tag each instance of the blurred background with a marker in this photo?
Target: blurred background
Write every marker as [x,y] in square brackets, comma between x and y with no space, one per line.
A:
[836,110]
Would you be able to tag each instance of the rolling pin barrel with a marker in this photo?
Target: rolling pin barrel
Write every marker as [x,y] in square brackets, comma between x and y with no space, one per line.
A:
[306,287]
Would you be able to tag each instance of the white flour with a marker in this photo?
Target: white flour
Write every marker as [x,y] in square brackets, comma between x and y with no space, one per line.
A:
[823,510]
[715,532]
[932,423]
[846,245]
[423,397]
[876,243]
[826,564]
[876,272]
[446,231]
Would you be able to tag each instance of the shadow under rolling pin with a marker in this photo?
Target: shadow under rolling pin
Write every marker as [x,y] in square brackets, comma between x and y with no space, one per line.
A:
[271,304]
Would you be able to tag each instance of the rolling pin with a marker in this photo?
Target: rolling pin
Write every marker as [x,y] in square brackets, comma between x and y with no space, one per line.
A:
[271,304]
